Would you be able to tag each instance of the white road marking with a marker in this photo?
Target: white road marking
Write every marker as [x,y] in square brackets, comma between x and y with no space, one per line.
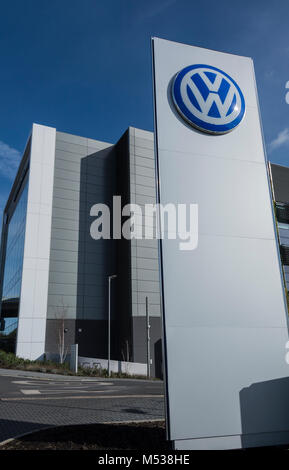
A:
[64,387]
[49,392]
[97,381]
[30,392]
[28,382]
[21,382]
[61,390]
[104,383]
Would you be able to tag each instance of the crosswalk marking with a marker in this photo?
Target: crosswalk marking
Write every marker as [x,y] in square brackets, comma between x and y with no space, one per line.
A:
[63,387]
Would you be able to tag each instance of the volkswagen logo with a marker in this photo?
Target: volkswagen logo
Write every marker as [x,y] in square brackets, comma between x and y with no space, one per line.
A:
[208,99]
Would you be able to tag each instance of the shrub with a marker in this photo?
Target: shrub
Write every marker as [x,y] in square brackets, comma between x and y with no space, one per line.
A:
[10,361]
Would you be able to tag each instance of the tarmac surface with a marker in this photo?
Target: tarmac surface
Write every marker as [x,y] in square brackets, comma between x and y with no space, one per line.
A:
[31,400]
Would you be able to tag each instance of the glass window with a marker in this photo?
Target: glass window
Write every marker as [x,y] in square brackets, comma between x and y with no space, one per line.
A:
[14,258]
[8,334]
[283,226]
[282,213]
[13,273]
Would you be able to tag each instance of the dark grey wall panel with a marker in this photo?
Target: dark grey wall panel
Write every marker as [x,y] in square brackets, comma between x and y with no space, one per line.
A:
[140,343]
[53,327]
[91,335]
[280,177]
[89,172]
[84,176]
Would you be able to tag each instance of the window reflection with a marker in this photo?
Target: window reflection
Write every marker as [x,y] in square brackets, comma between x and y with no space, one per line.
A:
[282,213]
[8,335]
[13,270]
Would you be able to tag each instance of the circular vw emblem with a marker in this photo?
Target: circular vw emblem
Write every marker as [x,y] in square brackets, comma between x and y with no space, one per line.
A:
[208,98]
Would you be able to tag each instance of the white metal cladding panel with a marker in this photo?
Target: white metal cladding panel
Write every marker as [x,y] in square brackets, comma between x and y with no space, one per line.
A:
[224,301]
[34,291]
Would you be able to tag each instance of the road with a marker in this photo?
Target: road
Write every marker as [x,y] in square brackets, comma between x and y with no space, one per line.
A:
[31,401]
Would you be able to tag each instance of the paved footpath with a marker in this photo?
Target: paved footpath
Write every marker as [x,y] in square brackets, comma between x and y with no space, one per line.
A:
[32,400]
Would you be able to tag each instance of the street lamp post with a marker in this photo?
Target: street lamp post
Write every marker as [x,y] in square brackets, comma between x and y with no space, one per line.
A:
[112,276]
[148,339]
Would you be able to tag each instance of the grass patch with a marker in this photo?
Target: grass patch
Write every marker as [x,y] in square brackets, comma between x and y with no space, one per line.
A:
[10,361]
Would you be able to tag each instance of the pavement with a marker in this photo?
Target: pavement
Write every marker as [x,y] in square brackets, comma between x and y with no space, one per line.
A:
[31,401]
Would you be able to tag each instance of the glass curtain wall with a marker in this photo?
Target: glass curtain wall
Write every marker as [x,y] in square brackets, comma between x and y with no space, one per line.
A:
[13,272]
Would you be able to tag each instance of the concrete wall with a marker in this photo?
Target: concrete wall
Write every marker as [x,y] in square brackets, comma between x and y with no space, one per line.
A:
[130,368]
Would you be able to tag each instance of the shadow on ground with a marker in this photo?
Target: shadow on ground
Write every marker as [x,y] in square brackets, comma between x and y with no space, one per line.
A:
[134,436]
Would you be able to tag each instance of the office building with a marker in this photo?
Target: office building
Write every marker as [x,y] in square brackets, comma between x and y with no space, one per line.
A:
[54,276]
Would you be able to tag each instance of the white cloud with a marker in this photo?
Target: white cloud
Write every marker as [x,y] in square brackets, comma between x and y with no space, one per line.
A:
[281,140]
[9,161]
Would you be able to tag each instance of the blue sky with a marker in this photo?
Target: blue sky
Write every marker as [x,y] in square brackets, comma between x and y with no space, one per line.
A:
[84,67]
